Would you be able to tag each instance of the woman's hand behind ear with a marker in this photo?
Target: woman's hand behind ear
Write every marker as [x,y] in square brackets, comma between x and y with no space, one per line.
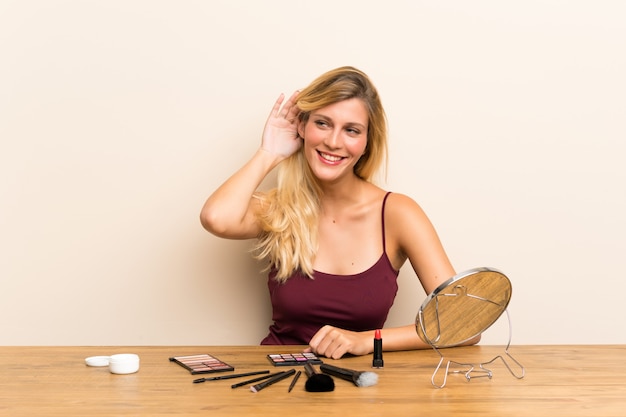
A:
[280,135]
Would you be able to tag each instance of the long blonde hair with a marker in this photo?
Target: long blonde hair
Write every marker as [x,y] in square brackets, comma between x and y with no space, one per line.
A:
[290,212]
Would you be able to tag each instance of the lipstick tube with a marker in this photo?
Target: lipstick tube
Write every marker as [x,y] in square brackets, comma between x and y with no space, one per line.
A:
[378,362]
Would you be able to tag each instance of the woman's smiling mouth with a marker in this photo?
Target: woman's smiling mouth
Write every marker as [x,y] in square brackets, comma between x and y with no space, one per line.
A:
[329,158]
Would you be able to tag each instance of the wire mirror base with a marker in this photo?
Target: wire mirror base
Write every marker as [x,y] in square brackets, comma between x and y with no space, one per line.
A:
[477,370]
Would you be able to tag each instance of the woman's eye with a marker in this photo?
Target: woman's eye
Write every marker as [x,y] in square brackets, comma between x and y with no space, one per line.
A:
[353,131]
[321,123]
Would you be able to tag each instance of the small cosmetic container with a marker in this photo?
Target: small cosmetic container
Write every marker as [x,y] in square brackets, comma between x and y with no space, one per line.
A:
[124,363]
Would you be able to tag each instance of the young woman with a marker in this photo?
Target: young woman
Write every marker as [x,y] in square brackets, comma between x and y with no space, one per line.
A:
[334,241]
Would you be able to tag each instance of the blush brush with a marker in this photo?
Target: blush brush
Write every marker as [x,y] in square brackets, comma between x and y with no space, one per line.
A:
[358,378]
[317,382]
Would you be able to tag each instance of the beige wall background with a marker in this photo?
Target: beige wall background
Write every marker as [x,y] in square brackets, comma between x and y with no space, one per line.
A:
[118,118]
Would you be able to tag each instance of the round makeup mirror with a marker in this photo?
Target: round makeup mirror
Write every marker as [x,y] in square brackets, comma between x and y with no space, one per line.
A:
[463,307]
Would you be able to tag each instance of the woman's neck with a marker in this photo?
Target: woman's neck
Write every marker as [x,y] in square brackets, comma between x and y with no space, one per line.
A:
[335,198]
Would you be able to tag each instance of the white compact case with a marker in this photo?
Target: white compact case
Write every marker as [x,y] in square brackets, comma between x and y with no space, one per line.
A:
[122,363]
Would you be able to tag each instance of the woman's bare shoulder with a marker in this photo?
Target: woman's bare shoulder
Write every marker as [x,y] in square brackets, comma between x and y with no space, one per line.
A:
[404,218]
[402,204]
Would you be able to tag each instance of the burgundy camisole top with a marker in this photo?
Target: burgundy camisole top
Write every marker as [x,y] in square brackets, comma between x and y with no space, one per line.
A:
[359,302]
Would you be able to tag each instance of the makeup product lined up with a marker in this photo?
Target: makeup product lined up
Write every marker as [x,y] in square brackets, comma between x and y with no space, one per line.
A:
[231,376]
[270,381]
[377,361]
[202,364]
[294,359]
[358,378]
[317,382]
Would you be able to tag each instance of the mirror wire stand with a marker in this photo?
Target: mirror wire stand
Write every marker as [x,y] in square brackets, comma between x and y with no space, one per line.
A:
[472,370]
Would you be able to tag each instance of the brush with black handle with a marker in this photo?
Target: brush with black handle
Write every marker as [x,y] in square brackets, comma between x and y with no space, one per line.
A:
[358,378]
[317,382]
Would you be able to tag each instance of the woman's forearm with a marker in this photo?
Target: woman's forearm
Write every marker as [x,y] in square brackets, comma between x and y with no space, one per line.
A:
[402,338]
[406,338]
[229,211]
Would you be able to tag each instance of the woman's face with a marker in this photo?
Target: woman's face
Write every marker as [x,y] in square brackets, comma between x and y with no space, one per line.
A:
[335,138]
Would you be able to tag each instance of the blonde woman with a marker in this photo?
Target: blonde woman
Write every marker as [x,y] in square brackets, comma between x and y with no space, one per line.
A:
[334,241]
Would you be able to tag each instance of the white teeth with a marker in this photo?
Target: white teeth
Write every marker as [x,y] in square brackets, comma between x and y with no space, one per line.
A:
[330,158]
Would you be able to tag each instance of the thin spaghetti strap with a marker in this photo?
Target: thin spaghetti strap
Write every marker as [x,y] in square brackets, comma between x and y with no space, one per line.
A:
[383,220]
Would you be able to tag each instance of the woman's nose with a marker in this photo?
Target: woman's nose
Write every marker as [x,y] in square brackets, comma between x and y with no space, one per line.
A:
[333,140]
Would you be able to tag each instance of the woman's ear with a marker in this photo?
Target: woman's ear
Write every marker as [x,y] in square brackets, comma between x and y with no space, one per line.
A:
[301,124]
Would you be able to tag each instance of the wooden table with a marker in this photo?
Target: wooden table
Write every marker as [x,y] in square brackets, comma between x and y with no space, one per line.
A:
[559,381]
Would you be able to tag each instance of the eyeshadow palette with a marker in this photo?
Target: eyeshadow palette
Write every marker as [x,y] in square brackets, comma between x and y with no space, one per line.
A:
[202,364]
[293,359]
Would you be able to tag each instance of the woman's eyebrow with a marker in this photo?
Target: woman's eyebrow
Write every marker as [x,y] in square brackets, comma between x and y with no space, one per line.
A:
[323,116]
[357,124]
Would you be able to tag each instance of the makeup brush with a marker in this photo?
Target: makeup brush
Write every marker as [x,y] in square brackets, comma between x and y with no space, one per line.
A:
[360,379]
[317,382]
[271,381]
[294,380]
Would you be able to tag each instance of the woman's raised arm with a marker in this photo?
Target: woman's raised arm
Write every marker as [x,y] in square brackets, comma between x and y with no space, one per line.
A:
[230,211]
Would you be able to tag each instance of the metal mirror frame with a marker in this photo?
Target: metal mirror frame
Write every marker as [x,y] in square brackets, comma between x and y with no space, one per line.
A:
[482,294]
